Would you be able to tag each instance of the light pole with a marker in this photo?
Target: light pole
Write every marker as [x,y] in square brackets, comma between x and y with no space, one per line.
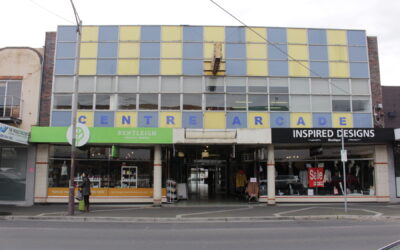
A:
[71,197]
[343,154]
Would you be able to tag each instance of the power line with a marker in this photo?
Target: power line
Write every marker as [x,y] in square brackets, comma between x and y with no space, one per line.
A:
[51,12]
[277,47]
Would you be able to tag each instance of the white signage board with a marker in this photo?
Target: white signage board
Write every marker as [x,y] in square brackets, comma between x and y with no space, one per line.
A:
[253,179]
[13,134]
[343,154]
[82,135]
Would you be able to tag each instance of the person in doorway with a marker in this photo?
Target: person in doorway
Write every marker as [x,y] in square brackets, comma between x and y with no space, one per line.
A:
[85,187]
[240,182]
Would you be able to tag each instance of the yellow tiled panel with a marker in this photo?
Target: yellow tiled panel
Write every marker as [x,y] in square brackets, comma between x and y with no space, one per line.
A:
[256,51]
[171,67]
[254,38]
[85,117]
[128,50]
[342,120]
[258,119]
[337,37]
[297,36]
[299,68]
[128,67]
[300,120]
[90,34]
[299,52]
[129,33]
[170,119]
[257,68]
[338,69]
[214,120]
[87,67]
[125,119]
[171,50]
[337,53]
[88,50]
[171,33]
[209,50]
[214,34]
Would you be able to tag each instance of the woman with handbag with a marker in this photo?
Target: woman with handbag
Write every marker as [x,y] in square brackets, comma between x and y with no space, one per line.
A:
[85,188]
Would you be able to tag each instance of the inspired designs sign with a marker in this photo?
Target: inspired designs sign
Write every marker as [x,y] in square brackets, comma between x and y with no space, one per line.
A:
[331,135]
[12,134]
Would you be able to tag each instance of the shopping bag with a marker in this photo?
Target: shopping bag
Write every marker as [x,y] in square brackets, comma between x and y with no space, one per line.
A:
[81,205]
[79,195]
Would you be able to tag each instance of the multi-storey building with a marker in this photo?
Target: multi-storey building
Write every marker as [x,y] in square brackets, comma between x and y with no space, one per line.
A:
[203,105]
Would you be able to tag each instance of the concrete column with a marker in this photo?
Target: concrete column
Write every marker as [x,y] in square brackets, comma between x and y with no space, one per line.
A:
[271,175]
[381,173]
[157,176]
[41,173]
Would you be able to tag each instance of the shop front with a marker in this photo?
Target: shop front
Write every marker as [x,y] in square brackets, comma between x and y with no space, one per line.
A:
[14,150]
[307,165]
[123,164]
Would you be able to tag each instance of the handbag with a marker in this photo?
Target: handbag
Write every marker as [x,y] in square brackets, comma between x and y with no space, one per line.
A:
[81,205]
[79,195]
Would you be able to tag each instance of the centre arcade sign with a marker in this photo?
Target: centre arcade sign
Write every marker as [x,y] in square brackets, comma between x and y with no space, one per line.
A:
[331,135]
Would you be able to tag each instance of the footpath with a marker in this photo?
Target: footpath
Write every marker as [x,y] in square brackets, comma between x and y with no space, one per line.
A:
[168,213]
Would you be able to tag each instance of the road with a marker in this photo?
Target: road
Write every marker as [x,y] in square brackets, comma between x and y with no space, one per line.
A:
[327,234]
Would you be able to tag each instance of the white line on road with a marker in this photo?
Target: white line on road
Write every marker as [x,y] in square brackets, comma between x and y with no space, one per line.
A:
[212,212]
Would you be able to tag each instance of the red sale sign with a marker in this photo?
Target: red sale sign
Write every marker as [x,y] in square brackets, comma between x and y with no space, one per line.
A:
[315,177]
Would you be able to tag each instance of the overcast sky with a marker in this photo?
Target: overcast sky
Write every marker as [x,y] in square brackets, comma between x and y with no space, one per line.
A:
[24,22]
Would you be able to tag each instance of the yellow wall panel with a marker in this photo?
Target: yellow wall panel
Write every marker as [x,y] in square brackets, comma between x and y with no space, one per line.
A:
[128,50]
[129,33]
[214,34]
[254,38]
[209,50]
[171,50]
[214,120]
[297,36]
[170,119]
[85,117]
[342,120]
[298,52]
[258,120]
[128,67]
[171,33]
[297,68]
[90,33]
[87,67]
[256,51]
[171,67]
[338,53]
[257,68]
[300,120]
[88,50]
[338,69]
[125,119]
[337,37]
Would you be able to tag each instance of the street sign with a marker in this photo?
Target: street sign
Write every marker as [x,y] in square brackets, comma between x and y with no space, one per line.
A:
[343,154]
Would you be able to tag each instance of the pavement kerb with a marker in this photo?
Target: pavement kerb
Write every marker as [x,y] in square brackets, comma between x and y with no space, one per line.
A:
[195,219]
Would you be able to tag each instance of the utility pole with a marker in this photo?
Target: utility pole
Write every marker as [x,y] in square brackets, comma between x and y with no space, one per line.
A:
[71,200]
[343,154]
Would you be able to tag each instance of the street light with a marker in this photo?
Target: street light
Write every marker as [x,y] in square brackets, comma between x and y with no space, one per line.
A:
[71,197]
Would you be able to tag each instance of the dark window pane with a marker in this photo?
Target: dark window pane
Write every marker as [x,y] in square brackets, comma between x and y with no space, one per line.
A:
[103,101]
[361,105]
[170,101]
[85,101]
[215,102]
[236,102]
[192,102]
[341,104]
[148,101]
[258,102]
[62,101]
[127,101]
[215,84]
[279,102]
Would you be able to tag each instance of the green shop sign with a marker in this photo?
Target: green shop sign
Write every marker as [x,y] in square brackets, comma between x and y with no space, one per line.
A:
[105,135]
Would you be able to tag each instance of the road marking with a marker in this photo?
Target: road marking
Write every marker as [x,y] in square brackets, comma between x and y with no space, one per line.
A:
[179,216]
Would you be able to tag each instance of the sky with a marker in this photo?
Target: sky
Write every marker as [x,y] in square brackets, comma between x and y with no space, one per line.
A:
[24,22]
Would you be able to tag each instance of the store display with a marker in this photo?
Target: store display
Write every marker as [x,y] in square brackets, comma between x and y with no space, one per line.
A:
[129,176]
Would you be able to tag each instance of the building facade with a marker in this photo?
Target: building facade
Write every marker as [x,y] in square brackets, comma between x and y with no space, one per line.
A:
[20,76]
[195,106]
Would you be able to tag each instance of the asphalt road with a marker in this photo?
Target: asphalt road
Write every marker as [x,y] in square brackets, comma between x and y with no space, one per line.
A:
[327,234]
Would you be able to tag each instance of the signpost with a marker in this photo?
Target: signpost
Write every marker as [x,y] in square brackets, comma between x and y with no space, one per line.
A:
[343,154]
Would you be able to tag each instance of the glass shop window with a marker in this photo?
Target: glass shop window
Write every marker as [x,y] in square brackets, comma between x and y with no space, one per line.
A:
[340,104]
[215,102]
[257,84]
[85,101]
[215,84]
[278,85]
[62,101]
[148,101]
[127,101]
[279,102]
[192,102]
[170,102]
[236,84]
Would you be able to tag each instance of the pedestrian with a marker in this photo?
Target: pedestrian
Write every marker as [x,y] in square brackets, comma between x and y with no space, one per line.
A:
[85,187]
